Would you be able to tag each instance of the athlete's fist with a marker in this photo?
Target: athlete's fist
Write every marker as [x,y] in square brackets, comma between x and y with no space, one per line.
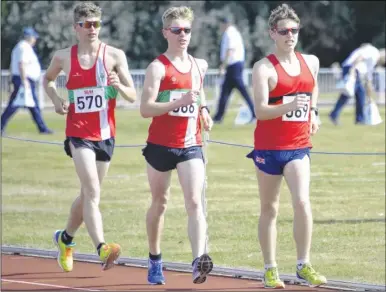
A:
[114,79]
[189,98]
[61,106]
[300,101]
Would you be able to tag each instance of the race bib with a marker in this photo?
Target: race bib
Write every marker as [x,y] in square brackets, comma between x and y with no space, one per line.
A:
[88,100]
[300,115]
[184,111]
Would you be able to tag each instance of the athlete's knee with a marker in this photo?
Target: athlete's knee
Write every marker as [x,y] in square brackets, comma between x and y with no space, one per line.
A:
[193,206]
[302,206]
[269,210]
[159,203]
[91,192]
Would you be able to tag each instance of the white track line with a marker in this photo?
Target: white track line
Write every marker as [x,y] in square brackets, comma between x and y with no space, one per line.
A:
[47,285]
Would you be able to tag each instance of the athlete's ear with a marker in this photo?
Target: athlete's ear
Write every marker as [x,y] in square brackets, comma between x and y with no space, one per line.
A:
[164,33]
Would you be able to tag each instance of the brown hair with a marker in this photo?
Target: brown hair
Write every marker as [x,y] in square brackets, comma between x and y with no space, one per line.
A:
[86,10]
[282,12]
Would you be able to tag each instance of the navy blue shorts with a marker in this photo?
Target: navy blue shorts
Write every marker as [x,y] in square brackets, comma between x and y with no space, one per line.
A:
[103,149]
[273,161]
[164,158]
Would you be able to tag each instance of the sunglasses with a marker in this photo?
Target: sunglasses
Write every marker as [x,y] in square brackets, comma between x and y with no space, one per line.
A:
[178,30]
[89,24]
[286,31]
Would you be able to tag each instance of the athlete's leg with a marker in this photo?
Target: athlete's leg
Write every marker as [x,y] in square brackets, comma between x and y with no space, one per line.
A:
[191,177]
[269,193]
[76,214]
[191,174]
[86,168]
[297,176]
[159,182]
[160,188]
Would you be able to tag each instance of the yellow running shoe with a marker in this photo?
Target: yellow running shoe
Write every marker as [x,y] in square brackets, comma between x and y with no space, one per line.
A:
[64,257]
[272,280]
[108,253]
[308,275]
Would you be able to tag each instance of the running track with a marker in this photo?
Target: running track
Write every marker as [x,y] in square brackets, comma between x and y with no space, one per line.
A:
[31,273]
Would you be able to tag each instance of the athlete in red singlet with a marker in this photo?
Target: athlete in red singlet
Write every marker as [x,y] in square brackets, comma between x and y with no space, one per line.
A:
[96,74]
[285,92]
[173,97]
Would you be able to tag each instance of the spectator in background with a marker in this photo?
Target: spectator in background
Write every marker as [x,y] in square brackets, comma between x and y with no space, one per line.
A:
[232,54]
[26,71]
[360,65]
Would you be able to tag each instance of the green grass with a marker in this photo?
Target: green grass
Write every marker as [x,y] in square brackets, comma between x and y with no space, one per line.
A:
[348,197]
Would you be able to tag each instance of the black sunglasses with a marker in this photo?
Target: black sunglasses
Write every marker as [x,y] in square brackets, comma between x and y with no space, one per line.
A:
[286,31]
[178,30]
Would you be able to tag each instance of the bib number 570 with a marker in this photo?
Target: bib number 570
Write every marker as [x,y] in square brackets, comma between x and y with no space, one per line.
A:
[89,102]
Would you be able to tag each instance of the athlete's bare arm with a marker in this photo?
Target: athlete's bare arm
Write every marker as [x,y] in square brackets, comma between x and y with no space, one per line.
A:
[155,72]
[205,116]
[58,64]
[203,66]
[125,84]
[313,63]
[261,75]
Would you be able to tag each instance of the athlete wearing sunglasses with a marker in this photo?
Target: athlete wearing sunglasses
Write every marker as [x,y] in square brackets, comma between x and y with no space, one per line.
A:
[96,74]
[88,24]
[174,98]
[178,30]
[286,92]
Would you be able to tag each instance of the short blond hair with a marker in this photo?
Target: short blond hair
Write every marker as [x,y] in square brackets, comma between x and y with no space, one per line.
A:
[86,10]
[181,12]
[282,12]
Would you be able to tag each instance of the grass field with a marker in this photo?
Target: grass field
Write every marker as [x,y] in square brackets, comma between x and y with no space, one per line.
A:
[348,197]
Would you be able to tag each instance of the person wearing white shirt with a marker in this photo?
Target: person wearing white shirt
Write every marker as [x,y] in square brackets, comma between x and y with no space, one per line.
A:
[25,70]
[232,55]
[360,65]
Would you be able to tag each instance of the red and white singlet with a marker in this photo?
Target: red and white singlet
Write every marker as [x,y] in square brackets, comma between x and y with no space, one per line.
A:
[181,127]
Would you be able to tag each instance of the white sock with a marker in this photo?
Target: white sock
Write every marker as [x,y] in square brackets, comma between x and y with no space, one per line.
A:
[266,267]
[300,264]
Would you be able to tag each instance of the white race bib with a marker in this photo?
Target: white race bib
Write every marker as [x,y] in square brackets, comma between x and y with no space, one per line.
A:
[184,111]
[88,100]
[300,115]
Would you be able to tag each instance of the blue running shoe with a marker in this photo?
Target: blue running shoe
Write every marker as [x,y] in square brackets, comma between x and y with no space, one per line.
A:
[155,275]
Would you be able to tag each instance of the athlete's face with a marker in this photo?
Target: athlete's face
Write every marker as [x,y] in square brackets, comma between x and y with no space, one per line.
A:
[285,34]
[178,33]
[88,29]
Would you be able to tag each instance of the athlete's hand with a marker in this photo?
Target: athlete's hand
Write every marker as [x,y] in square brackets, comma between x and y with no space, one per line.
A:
[188,98]
[113,80]
[206,119]
[300,101]
[61,106]
[314,126]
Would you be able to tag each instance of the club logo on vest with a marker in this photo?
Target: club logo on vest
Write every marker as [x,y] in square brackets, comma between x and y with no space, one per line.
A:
[173,80]
[102,77]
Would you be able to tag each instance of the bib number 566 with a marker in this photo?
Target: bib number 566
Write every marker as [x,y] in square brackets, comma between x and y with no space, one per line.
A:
[185,109]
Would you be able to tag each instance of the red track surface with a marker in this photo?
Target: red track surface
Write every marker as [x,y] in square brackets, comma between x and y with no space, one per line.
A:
[39,274]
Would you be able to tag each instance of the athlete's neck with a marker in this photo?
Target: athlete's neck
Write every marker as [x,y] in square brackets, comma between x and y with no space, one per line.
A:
[177,55]
[286,57]
[88,48]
